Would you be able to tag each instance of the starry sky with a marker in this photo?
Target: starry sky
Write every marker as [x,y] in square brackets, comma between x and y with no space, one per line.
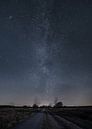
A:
[46,51]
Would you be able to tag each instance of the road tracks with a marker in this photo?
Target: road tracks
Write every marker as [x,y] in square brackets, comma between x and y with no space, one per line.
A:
[44,120]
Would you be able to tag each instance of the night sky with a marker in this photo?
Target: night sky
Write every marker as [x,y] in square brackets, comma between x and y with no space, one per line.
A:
[46,51]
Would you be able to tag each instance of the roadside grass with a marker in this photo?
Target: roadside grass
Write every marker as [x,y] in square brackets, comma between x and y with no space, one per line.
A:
[10,116]
[81,116]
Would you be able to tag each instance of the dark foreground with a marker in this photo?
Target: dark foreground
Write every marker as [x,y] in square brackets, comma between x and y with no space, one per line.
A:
[43,120]
[46,118]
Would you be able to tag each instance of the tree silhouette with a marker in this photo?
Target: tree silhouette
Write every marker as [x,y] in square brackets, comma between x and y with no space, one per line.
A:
[58,105]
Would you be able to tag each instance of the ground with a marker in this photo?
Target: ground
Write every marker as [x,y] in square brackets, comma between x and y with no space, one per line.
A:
[45,118]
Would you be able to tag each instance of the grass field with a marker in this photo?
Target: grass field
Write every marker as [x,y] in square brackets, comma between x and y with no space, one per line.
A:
[82,116]
[10,115]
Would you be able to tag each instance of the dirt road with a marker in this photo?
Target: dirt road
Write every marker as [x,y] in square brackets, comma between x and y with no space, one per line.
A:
[43,120]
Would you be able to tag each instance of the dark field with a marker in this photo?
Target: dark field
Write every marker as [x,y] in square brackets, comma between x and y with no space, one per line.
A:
[10,116]
[80,116]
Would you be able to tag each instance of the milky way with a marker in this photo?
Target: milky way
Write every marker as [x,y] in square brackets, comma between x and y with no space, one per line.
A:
[45,51]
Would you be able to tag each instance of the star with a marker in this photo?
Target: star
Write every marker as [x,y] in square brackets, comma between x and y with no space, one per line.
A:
[45,70]
[10,17]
